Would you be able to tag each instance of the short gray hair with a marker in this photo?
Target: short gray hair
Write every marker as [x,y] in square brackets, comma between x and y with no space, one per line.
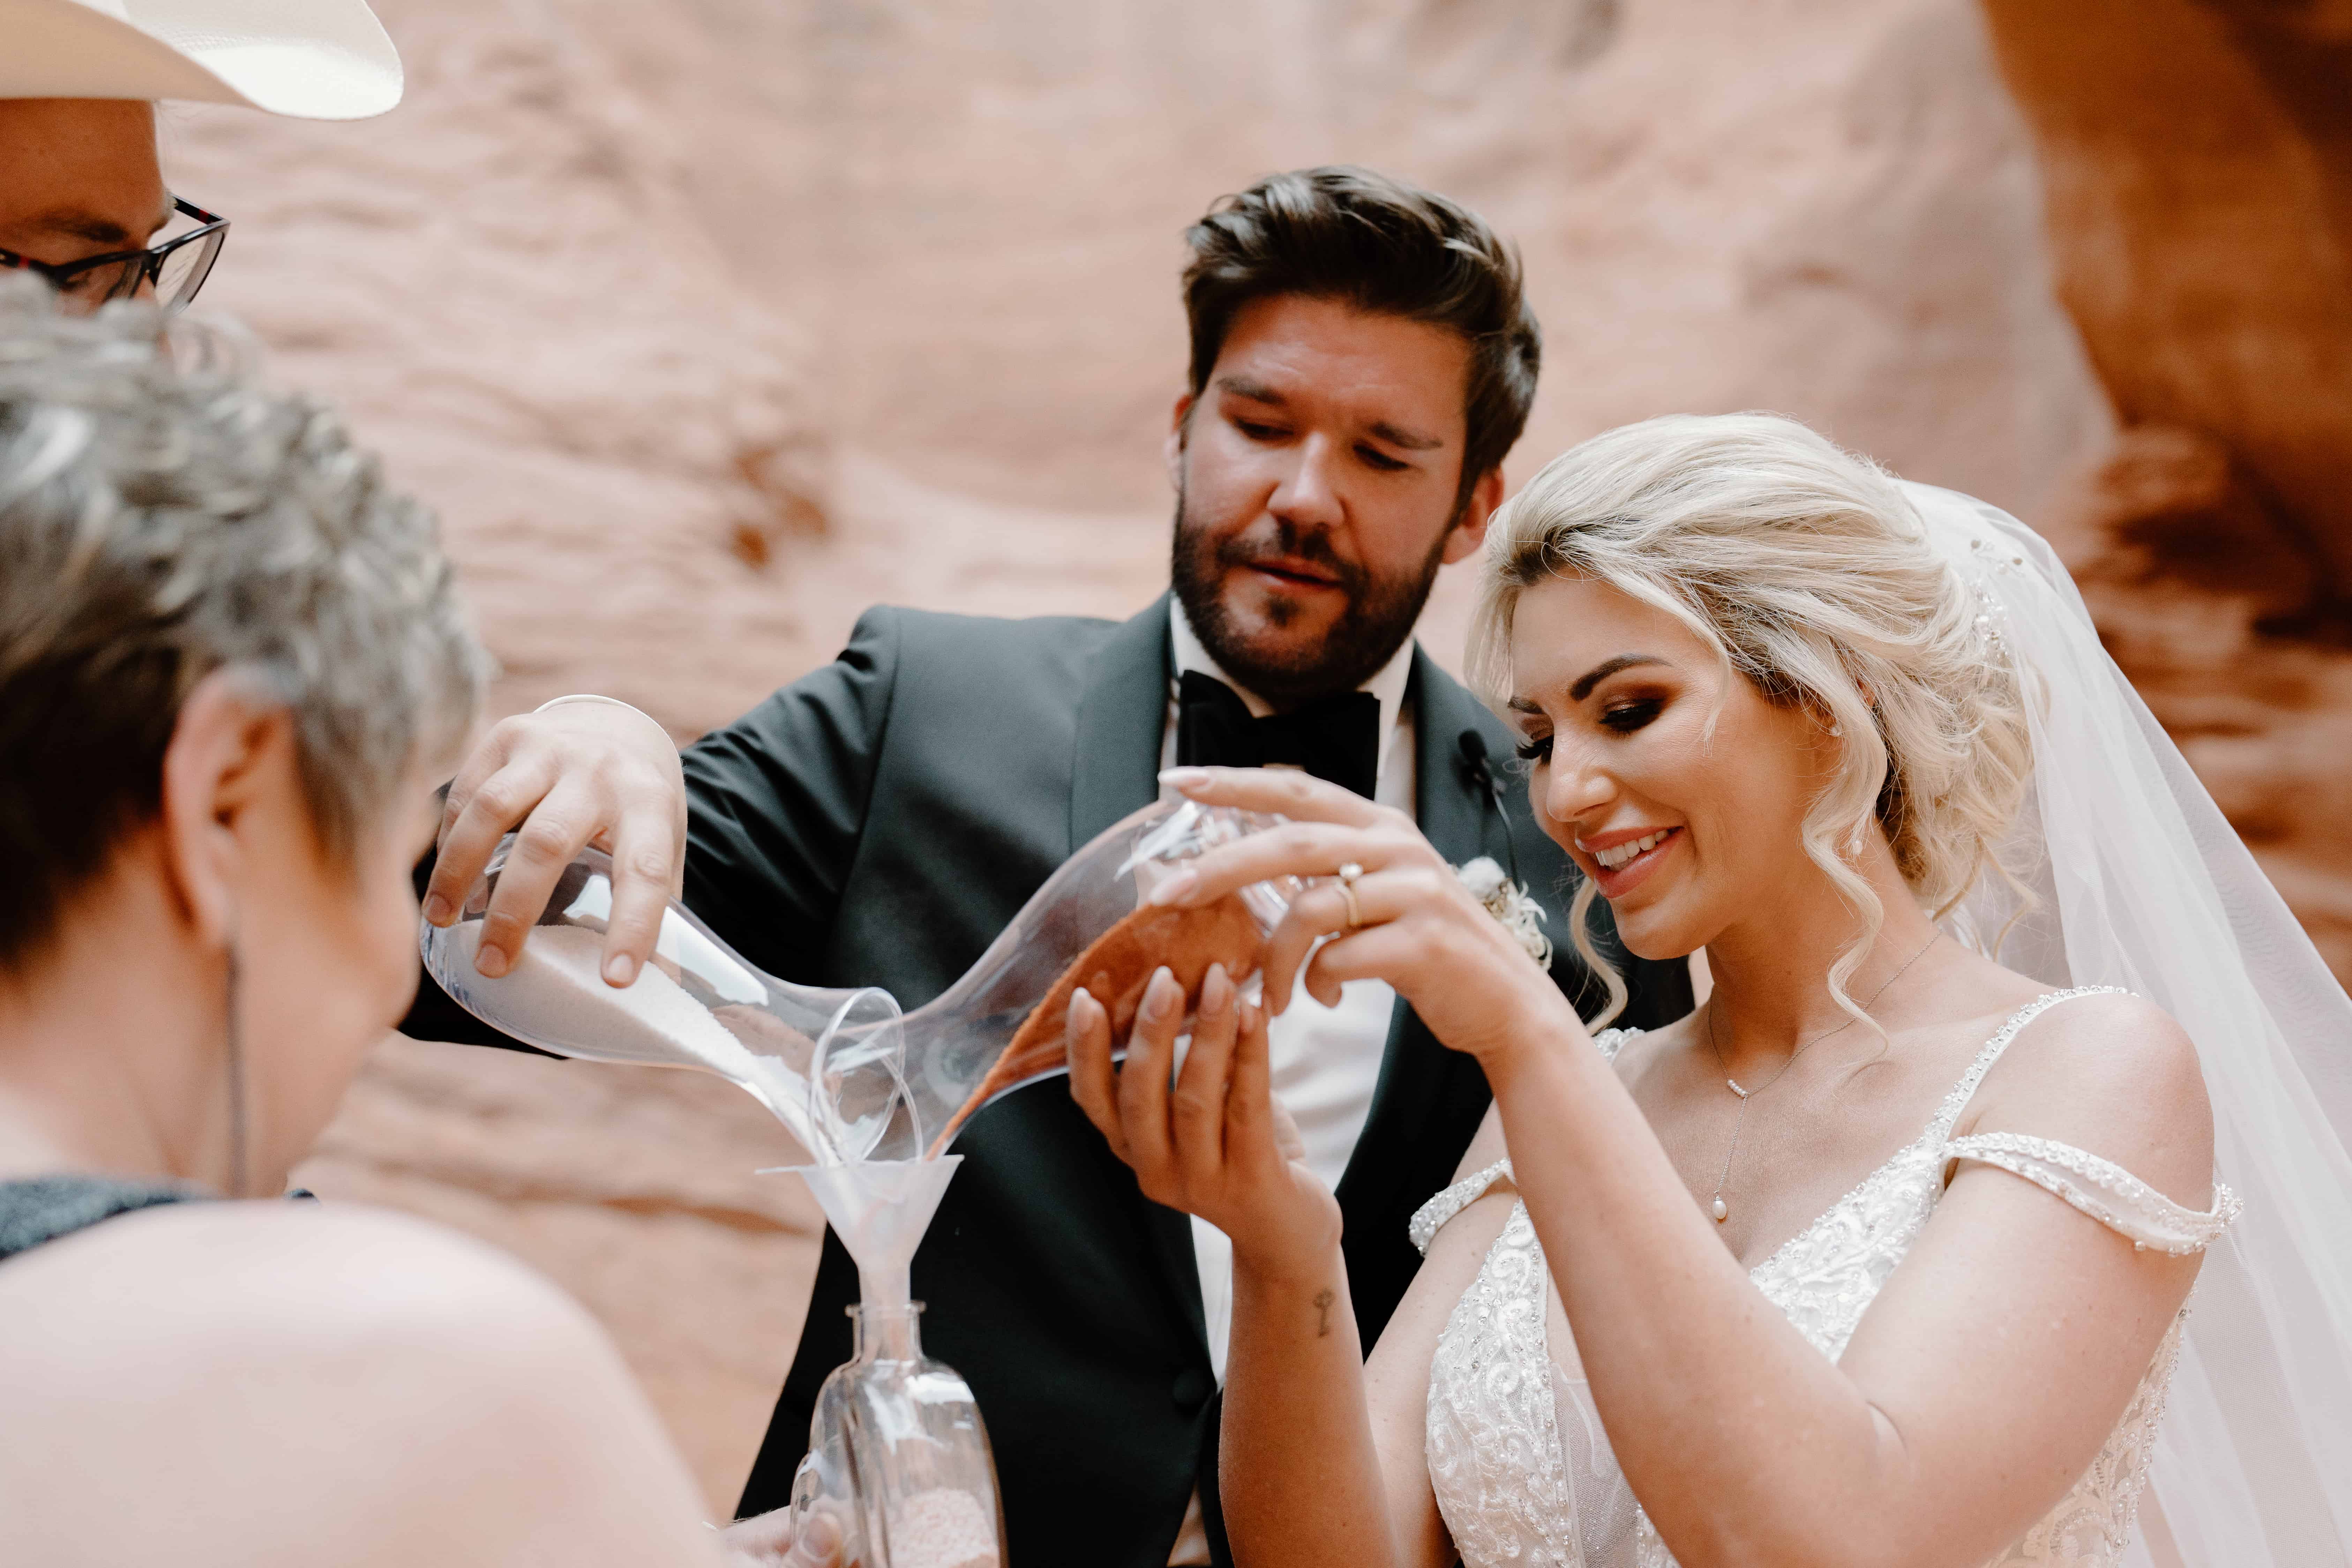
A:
[160,520]
[1810,573]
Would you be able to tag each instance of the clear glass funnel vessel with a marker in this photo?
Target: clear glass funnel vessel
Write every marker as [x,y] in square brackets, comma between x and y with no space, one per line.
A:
[844,1072]
[898,1454]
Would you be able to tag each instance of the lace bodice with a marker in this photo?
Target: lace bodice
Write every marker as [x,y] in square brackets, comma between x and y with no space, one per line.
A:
[1521,1469]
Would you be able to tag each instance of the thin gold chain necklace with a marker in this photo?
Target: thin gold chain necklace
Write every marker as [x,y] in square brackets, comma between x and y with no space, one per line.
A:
[1716,1205]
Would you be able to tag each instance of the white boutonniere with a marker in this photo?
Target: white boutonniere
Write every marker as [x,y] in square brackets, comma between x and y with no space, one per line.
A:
[1510,903]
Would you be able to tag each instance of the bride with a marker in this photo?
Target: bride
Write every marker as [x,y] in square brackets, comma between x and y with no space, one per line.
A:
[1907,1247]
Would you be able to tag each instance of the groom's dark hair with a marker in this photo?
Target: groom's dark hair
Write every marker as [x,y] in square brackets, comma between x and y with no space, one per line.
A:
[1381,245]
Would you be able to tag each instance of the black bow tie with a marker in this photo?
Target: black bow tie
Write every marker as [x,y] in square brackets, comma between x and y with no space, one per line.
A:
[1337,738]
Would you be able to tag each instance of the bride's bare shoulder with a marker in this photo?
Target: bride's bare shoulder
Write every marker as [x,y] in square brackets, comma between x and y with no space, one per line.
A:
[293,1371]
[2113,1074]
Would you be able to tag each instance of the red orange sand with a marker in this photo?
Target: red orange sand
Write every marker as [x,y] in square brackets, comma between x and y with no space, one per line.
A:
[1115,969]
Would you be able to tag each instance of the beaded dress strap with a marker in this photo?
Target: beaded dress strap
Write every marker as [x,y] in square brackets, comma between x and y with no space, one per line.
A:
[1431,1217]
[1609,1042]
[1948,1114]
[2102,1189]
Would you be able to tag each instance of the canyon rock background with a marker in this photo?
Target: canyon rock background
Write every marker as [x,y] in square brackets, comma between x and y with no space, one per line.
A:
[706,323]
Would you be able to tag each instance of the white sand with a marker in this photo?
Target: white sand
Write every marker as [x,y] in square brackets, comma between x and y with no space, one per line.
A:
[880,1209]
[556,994]
[942,1528]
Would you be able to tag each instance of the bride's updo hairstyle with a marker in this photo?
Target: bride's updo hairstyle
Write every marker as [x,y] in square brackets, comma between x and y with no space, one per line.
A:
[1809,572]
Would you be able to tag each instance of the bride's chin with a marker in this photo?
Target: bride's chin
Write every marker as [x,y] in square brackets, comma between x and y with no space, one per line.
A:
[1658,952]
[1656,933]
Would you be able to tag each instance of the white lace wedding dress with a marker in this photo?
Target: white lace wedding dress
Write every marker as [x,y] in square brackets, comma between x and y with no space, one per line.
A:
[1521,1468]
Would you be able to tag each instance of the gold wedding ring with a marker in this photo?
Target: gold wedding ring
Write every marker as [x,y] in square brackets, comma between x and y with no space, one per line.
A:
[1348,875]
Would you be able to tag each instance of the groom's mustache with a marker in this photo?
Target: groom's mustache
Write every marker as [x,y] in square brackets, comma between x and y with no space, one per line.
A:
[1292,543]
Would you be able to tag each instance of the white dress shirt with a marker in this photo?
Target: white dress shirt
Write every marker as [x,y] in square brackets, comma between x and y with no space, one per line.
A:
[1326,1060]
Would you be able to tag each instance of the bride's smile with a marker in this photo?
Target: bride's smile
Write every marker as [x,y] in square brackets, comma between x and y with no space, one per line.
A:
[1616,850]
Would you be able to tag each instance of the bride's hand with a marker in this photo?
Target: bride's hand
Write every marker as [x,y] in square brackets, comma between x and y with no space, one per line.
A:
[1215,1143]
[770,1541]
[1412,924]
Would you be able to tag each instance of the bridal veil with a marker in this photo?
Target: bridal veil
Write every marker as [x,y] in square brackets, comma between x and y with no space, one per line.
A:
[2135,879]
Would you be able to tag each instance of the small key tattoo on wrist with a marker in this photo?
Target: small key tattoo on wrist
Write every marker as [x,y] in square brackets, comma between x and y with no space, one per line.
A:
[1323,1300]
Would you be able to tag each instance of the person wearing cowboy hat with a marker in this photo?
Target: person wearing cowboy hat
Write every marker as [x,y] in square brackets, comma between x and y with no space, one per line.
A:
[82,198]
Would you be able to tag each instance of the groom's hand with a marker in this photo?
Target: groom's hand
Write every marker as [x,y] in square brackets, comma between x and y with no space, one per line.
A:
[561,779]
[1208,1138]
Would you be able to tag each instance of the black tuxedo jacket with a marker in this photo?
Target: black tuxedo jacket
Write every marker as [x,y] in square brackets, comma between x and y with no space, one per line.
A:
[878,823]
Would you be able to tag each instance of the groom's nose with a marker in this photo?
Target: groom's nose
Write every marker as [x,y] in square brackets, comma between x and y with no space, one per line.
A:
[1306,497]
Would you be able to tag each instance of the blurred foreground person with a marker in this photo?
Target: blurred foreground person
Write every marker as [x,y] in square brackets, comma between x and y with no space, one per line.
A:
[83,204]
[1362,359]
[231,664]
[1884,1258]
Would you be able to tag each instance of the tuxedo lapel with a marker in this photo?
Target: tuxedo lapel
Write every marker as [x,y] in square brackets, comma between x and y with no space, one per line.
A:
[1456,813]
[1457,817]
[1122,720]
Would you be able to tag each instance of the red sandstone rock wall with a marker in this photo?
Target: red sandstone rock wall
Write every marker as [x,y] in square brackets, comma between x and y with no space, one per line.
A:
[708,323]
[2198,171]
[2199,158]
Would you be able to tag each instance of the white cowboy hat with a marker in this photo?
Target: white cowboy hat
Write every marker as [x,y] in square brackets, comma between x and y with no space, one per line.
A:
[317,60]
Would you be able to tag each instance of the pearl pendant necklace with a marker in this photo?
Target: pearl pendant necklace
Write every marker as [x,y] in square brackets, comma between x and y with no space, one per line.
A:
[1720,1209]
[1717,1206]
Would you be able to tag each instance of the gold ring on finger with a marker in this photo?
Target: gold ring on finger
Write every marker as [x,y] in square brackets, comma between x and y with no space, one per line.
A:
[1348,875]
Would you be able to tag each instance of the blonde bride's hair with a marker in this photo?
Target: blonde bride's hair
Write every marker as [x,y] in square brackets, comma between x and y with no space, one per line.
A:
[1809,572]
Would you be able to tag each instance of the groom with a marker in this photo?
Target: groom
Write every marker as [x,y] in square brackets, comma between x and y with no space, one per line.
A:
[1361,359]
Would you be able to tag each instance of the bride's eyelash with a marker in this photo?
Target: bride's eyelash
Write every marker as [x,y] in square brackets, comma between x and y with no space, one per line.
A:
[1627,717]
[1624,717]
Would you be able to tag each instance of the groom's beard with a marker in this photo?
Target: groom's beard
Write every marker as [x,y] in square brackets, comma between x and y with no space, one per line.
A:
[1379,616]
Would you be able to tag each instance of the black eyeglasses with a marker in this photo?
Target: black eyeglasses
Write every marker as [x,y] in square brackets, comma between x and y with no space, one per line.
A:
[174,270]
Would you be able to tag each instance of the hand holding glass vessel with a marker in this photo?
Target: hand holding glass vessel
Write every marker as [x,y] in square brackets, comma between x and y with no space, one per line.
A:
[843,1070]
